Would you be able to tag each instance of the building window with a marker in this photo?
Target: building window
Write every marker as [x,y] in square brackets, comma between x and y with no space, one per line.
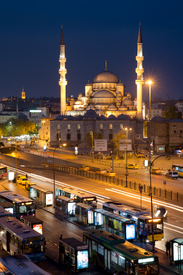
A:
[79,127]
[121,126]
[110,126]
[68,136]
[101,126]
[110,136]
[68,127]
[58,126]
[175,131]
[180,131]
[79,136]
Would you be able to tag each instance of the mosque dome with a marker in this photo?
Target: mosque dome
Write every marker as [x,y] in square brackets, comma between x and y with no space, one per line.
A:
[90,114]
[128,102]
[106,77]
[103,94]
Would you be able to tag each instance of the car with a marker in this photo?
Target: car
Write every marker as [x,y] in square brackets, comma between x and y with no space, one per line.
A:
[29,185]
[156,171]
[98,156]
[110,174]
[132,166]
[172,175]
[23,180]
[140,156]
[85,168]
[101,171]
[108,157]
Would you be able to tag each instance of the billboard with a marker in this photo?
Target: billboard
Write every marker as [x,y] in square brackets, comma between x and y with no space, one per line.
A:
[130,231]
[125,145]
[100,145]
[82,259]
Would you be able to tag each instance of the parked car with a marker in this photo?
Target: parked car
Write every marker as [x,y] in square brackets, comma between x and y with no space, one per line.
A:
[156,171]
[98,156]
[101,171]
[23,180]
[140,156]
[132,166]
[172,175]
[110,174]
[84,168]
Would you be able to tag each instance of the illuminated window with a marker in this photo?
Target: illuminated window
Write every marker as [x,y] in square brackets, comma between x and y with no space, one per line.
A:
[121,126]
[79,127]
[58,126]
[101,126]
[68,127]
[110,126]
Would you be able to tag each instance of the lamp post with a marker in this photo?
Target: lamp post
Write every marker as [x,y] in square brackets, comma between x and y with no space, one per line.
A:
[91,133]
[126,174]
[54,178]
[149,82]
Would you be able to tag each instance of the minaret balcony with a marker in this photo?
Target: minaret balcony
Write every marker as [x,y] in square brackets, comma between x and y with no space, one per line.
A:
[62,59]
[139,71]
[139,58]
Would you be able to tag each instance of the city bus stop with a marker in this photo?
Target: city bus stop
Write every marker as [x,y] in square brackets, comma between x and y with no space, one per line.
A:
[176,252]
[115,224]
[41,196]
[84,214]
[64,207]
[34,223]
[74,254]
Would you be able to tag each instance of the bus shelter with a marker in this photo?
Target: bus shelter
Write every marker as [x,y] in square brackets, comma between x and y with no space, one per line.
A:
[175,248]
[115,224]
[41,196]
[84,214]
[74,254]
[64,207]
[34,223]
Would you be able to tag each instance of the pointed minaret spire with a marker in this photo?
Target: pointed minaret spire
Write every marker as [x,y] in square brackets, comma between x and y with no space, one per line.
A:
[139,34]
[106,66]
[139,71]
[62,72]
[62,36]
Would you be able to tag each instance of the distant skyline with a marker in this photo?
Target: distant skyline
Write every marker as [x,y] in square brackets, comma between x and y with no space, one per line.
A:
[93,32]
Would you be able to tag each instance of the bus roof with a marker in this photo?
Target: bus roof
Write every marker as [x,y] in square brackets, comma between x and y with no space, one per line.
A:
[77,192]
[118,244]
[112,215]
[2,166]
[4,212]
[19,228]
[21,264]
[14,197]
[179,165]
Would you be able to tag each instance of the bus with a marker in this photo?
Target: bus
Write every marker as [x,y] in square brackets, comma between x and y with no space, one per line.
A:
[22,206]
[142,219]
[3,171]
[18,264]
[113,253]
[178,168]
[77,195]
[16,238]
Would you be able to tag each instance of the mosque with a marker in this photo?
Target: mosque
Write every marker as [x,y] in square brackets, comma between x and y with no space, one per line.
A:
[106,94]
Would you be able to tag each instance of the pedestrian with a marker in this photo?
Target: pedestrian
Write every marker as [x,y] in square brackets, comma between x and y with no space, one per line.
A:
[167,248]
[61,237]
[141,234]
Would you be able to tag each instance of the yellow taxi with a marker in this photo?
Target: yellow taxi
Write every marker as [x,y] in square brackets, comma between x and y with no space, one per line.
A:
[23,180]
[85,168]
[156,171]
[132,166]
[110,174]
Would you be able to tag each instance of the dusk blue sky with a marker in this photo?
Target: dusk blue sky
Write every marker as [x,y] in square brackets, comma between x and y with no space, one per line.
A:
[94,31]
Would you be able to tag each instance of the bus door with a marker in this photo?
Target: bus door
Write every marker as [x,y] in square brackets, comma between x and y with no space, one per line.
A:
[89,246]
[107,259]
[8,241]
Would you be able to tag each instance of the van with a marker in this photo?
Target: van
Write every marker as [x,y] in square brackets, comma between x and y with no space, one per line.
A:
[172,175]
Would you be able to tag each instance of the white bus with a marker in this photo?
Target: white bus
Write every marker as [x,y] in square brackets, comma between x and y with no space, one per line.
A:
[17,238]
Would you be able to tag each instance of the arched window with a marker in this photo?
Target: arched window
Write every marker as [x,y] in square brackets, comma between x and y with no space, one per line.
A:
[110,126]
[79,126]
[121,126]
[68,127]
[101,126]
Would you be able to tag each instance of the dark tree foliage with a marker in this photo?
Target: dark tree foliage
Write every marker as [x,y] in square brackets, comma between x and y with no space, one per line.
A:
[172,112]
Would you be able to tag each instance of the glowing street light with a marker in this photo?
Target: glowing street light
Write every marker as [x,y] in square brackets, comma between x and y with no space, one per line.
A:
[126,174]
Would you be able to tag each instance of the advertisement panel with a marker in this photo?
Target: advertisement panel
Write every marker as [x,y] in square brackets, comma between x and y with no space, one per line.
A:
[49,199]
[82,259]
[38,228]
[90,217]
[33,193]
[100,145]
[177,252]
[130,231]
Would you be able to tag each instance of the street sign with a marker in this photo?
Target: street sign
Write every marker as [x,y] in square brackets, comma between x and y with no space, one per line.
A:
[100,145]
[125,144]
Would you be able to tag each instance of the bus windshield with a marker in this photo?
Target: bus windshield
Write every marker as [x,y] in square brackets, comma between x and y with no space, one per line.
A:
[27,209]
[151,268]
[33,247]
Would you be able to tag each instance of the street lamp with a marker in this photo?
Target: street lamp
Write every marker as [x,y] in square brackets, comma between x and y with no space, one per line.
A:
[91,133]
[54,178]
[149,82]
[126,174]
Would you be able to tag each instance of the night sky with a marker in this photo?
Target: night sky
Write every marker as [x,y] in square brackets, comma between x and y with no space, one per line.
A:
[94,31]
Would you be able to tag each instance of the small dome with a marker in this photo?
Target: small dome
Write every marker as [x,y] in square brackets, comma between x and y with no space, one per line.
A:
[106,77]
[60,117]
[90,113]
[69,117]
[103,94]
[123,117]
[128,102]
[111,117]
[78,117]
[101,117]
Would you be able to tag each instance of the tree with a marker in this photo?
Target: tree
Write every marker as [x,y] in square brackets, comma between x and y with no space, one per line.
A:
[88,137]
[172,112]
[17,127]
[115,141]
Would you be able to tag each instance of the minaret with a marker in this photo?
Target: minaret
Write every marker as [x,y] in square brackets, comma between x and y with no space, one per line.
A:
[23,93]
[139,71]
[62,71]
